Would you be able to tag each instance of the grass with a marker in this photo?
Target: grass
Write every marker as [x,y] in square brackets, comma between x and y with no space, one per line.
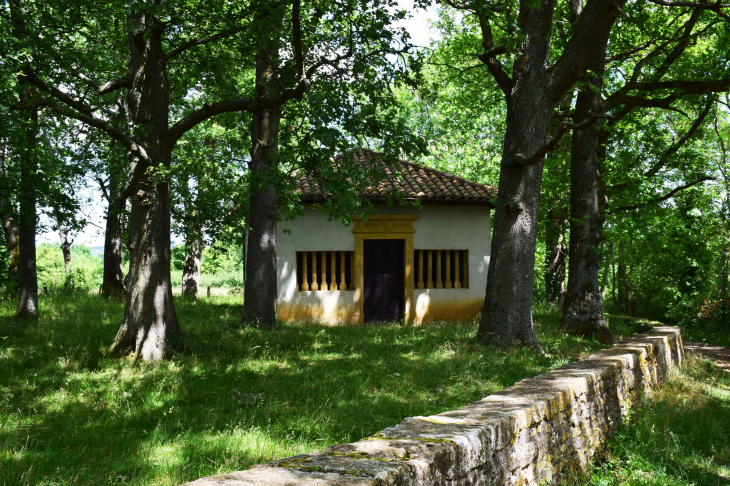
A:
[711,334]
[680,437]
[245,396]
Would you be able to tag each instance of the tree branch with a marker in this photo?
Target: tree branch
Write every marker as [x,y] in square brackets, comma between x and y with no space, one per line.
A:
[554,139]
[199,42]
[108,87]
[297,37]
[715,7]
[589,33]
[681,142]
[87,118]
[669,195]
[489,56]
[241,104]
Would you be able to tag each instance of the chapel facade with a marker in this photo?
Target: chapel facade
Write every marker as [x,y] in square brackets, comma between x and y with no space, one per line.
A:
[402,263]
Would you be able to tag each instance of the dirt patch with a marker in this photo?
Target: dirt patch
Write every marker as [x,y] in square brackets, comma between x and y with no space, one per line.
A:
[720,355]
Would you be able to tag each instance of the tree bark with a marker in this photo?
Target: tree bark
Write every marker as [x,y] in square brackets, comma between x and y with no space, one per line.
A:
[507,315]
[532,93]
[65,246]
[150,329]
[583,306]
[555,256]
[112,285]
[259,303]
[10,228]
[27,274]
[626,285]
[193,257]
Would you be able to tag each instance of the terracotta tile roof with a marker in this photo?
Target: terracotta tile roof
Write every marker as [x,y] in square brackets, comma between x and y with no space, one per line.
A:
[411,180]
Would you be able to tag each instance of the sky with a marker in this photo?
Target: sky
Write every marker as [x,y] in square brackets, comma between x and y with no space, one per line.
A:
[93,210]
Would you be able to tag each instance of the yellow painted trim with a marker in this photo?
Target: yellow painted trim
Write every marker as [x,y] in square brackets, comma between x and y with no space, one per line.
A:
[384,227]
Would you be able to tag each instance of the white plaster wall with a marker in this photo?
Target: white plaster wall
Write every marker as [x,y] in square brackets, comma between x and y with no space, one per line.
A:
[438,227]
[454,228]
[312,232]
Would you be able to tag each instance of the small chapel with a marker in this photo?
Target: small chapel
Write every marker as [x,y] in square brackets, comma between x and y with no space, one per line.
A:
[401,263]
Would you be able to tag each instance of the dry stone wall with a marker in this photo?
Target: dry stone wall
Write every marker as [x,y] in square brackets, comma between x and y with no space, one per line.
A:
[539,431]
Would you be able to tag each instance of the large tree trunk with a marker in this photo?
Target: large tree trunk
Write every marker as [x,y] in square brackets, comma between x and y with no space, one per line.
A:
[112,285]
[150,329]
[10,228]
[193,257]
[583,307]
[626,285]
[555,255]
[27,275]
[65,246]
[507,315]
[259,303]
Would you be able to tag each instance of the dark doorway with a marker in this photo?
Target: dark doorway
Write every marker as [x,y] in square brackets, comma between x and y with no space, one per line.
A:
[384,269]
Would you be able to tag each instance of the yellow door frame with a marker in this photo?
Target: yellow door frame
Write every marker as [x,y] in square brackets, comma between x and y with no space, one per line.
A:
[384,227]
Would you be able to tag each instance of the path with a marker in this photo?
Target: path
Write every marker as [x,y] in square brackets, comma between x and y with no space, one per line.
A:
[720,355]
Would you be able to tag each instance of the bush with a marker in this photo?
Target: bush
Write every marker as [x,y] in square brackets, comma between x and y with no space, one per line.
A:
[86,270]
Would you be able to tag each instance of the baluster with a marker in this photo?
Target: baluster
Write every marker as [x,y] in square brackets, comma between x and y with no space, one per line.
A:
[343,284]
[420,269]
[465,258]
[429,261]
[448,269]
[305,277]
[457,281]
[314,285]
[333,279]
[439,281]
[323,270]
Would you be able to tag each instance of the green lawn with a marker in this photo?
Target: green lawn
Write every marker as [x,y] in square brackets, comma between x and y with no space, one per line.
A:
[679,437]
[245,396]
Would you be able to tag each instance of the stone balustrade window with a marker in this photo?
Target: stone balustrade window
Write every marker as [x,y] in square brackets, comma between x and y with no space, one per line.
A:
[324,270]
[441,269]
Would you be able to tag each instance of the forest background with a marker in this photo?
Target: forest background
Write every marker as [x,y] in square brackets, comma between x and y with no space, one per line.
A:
[663,251]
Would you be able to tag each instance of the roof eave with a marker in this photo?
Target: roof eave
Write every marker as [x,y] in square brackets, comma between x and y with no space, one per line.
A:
[424,200]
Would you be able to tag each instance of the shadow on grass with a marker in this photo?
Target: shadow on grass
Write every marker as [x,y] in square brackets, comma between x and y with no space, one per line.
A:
[680,437]
[243,397]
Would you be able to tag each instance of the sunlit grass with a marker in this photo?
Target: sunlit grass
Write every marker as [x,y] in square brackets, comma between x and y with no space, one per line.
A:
[681,436]
[243,396]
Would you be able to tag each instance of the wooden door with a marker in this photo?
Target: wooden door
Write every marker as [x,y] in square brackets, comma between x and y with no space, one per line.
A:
[384,275]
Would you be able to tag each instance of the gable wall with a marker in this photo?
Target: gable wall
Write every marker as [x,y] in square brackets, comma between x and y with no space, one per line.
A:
[437,228]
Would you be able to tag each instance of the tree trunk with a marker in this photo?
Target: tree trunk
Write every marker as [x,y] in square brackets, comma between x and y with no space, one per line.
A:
[507,315]
[10,228]
[193,257]
[11,239]
[27,274]
[65,246]
[583,307]
[112,285]
[626,285]
[555,253]
[150,329]
[259,303]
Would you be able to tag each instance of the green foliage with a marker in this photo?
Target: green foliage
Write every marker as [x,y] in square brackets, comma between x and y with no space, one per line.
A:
[177,257]
[456,107]
[681,436]
[244,396]
[86,270]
